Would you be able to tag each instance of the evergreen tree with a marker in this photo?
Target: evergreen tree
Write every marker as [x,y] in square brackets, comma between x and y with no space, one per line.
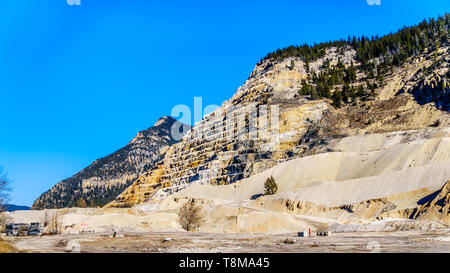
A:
[337,99]
[305,89]
[314,94]
[270,187]
[361,92]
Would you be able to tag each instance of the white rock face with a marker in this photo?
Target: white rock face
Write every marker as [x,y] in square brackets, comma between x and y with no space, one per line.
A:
[388,165]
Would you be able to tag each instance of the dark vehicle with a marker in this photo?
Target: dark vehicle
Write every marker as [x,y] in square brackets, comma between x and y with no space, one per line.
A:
[17,229]
[11,229]
[35,229]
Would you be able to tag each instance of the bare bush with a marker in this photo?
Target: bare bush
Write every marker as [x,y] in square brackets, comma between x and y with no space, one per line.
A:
[4,219]
[53,223]
[46,219]
[189,216]
[4,190]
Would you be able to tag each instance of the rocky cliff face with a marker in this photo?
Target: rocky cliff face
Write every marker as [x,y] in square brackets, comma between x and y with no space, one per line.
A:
[290,123]
[105,178]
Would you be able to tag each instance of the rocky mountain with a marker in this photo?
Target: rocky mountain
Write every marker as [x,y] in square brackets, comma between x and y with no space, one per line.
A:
[355,128]
[105,178]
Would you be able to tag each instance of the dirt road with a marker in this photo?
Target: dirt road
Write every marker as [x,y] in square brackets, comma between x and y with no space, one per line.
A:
[406,241]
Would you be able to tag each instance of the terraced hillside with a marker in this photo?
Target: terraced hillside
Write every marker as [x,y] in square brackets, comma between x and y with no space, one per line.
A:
[300,100]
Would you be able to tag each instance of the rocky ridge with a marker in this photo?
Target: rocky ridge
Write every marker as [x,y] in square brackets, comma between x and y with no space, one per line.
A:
[105,178]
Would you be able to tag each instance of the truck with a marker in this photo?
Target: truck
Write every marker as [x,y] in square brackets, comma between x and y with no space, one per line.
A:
[17,229]
[35,229]
[21,229]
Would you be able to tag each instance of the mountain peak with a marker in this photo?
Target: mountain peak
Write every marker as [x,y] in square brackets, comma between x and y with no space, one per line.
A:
[164,120]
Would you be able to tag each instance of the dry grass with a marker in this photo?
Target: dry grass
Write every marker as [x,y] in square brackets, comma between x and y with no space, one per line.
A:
[5,247]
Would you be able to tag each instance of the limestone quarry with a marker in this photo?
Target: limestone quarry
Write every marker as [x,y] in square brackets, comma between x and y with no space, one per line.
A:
[367,162]
[380,165]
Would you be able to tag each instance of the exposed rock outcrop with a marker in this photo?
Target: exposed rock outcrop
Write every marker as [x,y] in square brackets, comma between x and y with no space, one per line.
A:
[438,208]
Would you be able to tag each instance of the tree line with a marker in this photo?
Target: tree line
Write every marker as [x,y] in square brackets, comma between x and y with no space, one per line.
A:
[390,50]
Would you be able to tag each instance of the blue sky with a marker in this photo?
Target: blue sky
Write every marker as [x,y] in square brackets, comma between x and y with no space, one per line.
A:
[78,82]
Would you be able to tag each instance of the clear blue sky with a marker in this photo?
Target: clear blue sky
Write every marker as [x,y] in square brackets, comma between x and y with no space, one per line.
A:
[78,82]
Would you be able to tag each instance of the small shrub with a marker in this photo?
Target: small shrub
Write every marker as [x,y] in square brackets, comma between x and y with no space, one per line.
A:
[189,216]
[53,223]
[3,221]
[81,203]
[270,187]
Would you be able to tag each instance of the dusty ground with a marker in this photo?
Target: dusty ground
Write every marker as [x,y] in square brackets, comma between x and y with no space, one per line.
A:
[406,241]
[6,247]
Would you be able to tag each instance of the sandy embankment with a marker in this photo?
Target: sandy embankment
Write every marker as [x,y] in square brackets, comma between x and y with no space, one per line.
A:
[398,168]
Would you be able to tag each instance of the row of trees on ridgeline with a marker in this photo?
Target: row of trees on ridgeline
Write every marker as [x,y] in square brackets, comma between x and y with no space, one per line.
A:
[390,50]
